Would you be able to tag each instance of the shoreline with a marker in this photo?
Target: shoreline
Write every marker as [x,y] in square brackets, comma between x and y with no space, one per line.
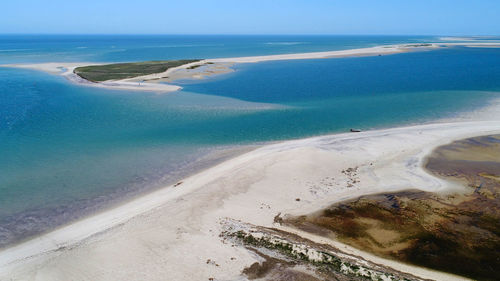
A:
[156,82]
[202,160]
[239,185]
[159,82]
[66,70]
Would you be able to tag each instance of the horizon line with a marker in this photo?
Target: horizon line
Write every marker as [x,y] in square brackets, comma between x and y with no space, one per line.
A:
[248,34]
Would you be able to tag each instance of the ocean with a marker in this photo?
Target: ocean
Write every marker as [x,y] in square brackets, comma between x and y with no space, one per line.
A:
[68,151]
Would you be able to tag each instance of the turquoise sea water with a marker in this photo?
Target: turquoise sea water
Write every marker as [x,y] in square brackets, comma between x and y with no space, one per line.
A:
[67,151]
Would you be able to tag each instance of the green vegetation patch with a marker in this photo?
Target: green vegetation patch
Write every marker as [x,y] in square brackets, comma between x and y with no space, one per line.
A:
[100,73]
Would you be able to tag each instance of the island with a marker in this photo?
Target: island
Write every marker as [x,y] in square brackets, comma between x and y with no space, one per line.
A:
[157,76]
[118,71]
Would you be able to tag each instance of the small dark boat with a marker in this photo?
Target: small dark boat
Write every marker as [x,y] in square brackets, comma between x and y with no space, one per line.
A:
[355,131]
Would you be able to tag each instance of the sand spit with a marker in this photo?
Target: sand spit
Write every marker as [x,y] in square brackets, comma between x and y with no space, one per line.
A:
[157,82]
[66,70]
[174,231]
[372,51]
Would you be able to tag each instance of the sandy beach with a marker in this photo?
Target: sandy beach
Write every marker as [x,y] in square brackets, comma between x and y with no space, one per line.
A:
[174,231]
[66,70]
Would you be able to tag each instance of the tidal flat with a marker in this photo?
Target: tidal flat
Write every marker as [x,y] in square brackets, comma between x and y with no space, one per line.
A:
[454,231]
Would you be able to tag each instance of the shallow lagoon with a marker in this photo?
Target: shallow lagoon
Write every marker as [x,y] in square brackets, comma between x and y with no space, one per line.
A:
[68,151]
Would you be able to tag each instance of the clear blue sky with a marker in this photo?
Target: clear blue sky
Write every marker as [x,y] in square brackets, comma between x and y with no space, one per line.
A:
[438,17]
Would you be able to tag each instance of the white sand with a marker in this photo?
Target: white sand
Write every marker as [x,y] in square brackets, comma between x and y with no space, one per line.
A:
[373,51]
[66,70]
[151,82]
[169,234]
[156,82]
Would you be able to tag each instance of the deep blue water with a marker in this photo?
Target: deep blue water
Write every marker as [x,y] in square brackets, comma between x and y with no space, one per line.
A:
[298,81]
[67,151]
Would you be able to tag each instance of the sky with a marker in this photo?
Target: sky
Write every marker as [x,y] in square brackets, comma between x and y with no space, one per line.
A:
[390,17]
